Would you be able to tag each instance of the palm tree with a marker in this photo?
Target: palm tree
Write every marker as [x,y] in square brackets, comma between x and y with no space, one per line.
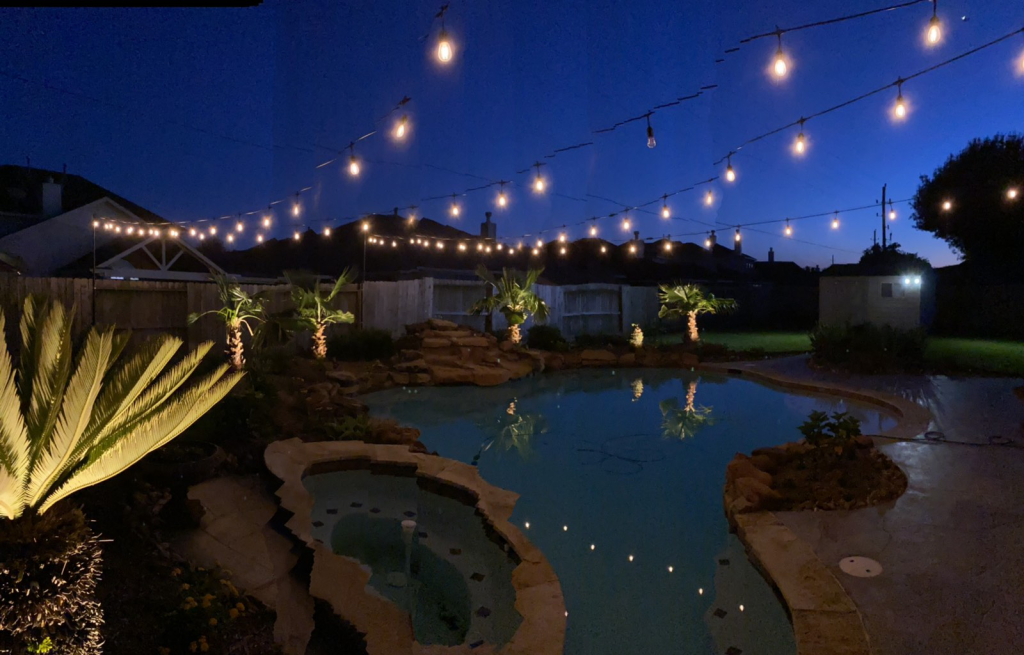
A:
[238,309]
[313,309]
[689,300]
[514,297]
[69,421]
[680,423]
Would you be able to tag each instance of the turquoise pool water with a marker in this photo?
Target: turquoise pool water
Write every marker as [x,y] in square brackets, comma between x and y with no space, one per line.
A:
[620,475]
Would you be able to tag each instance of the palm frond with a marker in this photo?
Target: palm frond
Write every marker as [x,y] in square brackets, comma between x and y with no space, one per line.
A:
[13,437]
[48,351]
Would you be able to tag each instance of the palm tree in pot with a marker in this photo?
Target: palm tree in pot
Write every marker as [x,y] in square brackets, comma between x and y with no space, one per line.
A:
[238,309]
[313,309]
[69,421]
[513,296]
[690,300]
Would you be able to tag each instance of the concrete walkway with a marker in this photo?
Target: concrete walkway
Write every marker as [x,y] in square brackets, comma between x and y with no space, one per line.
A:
[950,547]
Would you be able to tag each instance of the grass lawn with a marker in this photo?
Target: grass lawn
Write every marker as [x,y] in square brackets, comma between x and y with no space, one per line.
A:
[981,355]
[770,342]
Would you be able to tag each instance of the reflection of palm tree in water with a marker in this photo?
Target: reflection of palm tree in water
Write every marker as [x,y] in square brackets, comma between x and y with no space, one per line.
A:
[511,431]
[680,423]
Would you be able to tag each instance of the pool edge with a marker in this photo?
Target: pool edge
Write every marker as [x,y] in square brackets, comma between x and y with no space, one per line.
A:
[539,597]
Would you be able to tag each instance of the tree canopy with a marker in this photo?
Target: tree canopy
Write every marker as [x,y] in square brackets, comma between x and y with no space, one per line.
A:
[984,221]
[894,256]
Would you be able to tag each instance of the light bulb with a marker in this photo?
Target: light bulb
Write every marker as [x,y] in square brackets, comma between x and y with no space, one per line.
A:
[259,238]
[947,205]
[801,144]
[835,223]
[789,230]
[665,212]
[934,31]
[462,247]
[295,209]
[892,214]
[366,226]
[1012,193]
[780,64]
[502,200]
[707,243]
[95,223]
[440,245]
[213,230]
[668,245]
[737,237]
[536,251]
[455,209]
[593,230]
[604,249]
[444,48]
[632,249]
[394,244]
[327,231]
[650,137]
[901,107]
[402,127]
[239,226]
[231,238]
[539,243]
[709,198]
[626,224]
[202,237]
[499,246]
[561,238]
[296,236]
[117,228]
[353,166]
[192,232]
[538,184]
[266,221]
[730,174]
[561,250]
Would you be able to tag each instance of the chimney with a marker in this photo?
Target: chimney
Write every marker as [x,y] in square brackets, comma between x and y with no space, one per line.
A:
[771,255]
[52,198]
[488,230]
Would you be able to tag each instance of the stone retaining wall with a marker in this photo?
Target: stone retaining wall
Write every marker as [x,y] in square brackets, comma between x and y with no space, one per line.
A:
[342,581]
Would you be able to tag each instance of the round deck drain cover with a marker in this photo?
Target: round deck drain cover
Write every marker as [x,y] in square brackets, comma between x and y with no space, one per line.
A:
[860,567]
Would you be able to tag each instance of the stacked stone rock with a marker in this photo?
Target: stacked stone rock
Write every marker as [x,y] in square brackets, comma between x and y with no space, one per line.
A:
[439,352]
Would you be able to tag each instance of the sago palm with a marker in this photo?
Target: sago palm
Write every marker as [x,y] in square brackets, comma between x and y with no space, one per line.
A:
[69,421]
[313,309]
[238,309]
[690,300]
[513,296]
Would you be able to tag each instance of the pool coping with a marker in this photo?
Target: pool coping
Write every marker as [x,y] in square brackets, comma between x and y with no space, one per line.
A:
[825,619]
[343,582]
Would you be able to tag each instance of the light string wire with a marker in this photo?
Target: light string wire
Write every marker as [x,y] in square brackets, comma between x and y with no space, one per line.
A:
[831,21]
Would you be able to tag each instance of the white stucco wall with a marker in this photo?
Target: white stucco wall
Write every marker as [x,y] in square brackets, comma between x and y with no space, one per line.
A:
[857,300]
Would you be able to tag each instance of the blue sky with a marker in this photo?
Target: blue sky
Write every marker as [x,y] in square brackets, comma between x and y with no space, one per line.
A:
[527,78]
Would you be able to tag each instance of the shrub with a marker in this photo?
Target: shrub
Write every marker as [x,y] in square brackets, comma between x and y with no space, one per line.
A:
[868,348]
[838,431]
[361,345]
[546,337]
[600,340]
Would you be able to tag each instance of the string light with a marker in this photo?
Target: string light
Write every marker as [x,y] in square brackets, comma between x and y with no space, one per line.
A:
[738,236]
[536,251]
[730,174]
[561,238]
[231,238]
[650,133]
[327,231]
[202,237]
[780,68]
[444,45]
[800,146]
[402,127]
[892,212]
[668,246]
[630,558]
[130,229]
[353,163]
[95,224]
[709,198]
[947,205]
[259,238]
[934,33]
[626,224]
[239,226]
[455,206]
[366,226]
[440,245]
[191,232]
[1012,193]
[604,249]
[835,221]
[539,243]
[266,221]
[174,234]
[592,546]
[900,109]
[394,244]
[538,183]
[789,229]
[707,243]
[296,207]
[213,230]
[593,230]
[561,251]
[632,248]
[670,569]
[664,207]
[462,247]
[502,199]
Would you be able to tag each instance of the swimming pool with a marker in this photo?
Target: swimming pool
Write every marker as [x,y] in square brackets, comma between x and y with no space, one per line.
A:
[620,474]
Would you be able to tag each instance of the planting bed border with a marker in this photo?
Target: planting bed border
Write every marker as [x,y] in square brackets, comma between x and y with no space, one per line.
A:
[343,581]
[825,619]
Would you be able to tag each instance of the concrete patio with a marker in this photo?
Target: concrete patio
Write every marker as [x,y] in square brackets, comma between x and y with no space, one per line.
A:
[953,569]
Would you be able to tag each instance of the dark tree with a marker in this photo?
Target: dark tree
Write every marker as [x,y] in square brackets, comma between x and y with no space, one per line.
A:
[984,221]
[893,256]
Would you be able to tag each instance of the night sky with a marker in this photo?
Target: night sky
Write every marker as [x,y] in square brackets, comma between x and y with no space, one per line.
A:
[293,80]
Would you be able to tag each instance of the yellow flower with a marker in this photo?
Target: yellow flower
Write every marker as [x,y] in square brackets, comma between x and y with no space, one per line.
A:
[213,621]
[185,586]
[241,607]
[233,613]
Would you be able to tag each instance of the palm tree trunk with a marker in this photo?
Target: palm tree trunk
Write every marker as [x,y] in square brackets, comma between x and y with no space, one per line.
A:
[514,335]
[691,395]
[51,564]
[320,342]
[692,323]
[235,348]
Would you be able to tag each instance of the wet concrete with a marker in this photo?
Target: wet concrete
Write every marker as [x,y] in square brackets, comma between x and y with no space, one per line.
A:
[953,578]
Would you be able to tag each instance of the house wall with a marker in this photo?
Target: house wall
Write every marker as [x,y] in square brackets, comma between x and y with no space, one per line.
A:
[857,300]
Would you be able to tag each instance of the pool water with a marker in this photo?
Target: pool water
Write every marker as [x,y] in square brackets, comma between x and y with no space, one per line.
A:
[620,474]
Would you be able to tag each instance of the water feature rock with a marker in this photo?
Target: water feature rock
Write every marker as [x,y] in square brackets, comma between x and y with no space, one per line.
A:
[629,359]
[441,324]
[597,357]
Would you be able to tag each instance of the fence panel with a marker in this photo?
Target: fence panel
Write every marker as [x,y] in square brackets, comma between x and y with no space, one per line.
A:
[592,309]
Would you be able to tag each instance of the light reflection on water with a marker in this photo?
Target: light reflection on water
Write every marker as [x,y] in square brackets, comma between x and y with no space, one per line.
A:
[620,477]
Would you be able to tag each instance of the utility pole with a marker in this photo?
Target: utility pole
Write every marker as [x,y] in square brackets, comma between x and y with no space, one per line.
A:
[883,217]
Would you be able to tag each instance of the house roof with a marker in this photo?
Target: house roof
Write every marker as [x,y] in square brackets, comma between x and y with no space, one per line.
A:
[21,202]
[886,269]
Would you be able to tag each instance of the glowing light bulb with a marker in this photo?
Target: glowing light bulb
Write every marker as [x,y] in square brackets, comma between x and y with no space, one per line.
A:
[707,243]
[1012,193]
[668,246]
[527,524]
[592,546]
[462,247]
[892,214]
[789,229]
[539,243]
[700,592]
[538,184]
[900,110]
[174,234]
[440,245]
[239,226]
[535,251]
[499,246]
[632,249]
[780,67]
[502,199]
[565,528]
[231,238]
[604,249]
[626,224]
[709,198]
[444,47]
[213,230]
[593,230]
[202,237]
[835,223]
[665,213]
[130,229]
[95,223]
[561,238]
[801,144]
[259,238]
[296,209]
[192,232]
[366,226]
[327,231]
[353,166]
[737,237]
[630,558]
[455,208]
[741,608]
[266,221]
[561,251]
[402,127]
[670,569]
[947,205]
[394,244]
[650,137]
[934,30]
[730,174]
